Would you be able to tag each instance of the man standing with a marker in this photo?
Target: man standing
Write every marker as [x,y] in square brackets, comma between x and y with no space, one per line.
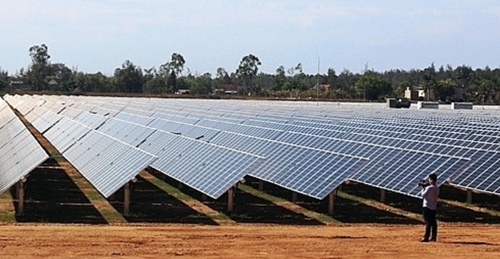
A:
[430,196]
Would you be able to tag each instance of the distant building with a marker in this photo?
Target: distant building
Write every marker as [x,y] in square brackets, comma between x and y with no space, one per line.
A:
[53,82]
[421,94]
[411,94]
[17,84]
[229,89]
[415,95]
[182,91]
[322,87]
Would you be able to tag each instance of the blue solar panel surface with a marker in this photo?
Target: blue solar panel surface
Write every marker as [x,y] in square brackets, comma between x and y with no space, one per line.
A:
[20,151]
[395,148]
[207,168]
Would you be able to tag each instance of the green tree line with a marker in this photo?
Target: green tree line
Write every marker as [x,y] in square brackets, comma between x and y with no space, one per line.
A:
[446,84]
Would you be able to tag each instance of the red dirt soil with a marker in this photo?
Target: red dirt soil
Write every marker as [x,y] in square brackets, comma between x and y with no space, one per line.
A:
[246,241]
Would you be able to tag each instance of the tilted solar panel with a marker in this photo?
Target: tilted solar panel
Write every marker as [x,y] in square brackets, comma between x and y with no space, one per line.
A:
[107,163]
[46,120]
[65,133]
[208,168]
[128,132]
[308,171]
[21,153]
[91,120]
[142,120]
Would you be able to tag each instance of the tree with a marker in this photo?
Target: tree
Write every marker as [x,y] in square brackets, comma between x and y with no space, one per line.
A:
[200,84]
[172,69]
[4,76]
[279,79]
[222,78]
[38,70]
[445,89]
[373,86]
[154,83]
[430,81]
[346,82]
[484,89]
[332,78]
[247,70]
[97,82]
[172,82]
[176,63]
[61,73]
[465,76]
[128,78]
[154,86]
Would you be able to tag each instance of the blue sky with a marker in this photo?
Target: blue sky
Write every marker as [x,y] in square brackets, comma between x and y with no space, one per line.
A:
[100,35]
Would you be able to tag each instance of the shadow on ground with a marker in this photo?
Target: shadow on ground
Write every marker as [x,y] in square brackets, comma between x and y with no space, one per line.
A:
[52,196]
[483,200]
[446,212]
[249,208]
[472,243]
[345,210]
[150,204]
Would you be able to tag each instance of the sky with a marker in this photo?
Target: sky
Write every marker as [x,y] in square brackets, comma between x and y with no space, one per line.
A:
[98,36]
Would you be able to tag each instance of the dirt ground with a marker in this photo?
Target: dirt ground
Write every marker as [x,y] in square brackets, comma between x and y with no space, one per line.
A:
[246,241]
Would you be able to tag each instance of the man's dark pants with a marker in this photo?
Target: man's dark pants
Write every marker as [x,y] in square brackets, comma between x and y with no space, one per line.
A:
[430,224]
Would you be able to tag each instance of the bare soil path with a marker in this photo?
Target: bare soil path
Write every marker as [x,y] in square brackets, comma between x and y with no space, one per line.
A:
[246,241]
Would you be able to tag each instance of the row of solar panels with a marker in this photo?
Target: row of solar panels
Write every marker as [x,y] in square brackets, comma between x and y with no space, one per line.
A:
[222,174]
[300,154]
[105,151]
[213,169]
[472,136]
[20,151]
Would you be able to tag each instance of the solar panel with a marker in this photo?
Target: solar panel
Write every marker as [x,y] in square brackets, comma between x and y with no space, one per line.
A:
[20,151]
[11,128]
[304,170]
[142,120]
[107,163]
[128,132]
[91,120]
[20,156]
[37,111]
[207,168]
[70,112]
[46,120]
[65,133]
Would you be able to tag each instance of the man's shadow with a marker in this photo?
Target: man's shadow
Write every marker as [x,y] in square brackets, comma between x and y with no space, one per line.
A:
[471,243]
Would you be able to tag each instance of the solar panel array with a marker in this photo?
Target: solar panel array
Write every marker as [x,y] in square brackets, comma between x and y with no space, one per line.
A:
[310,148]
[106,162]
[21,153]
[104,149]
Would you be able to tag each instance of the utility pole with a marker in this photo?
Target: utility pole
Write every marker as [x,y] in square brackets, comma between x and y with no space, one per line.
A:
[317,86]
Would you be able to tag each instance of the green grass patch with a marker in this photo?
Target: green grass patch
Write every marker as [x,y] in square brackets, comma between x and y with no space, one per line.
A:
[176,193]
[112,216]
[57,156]
[7,211]
[260,194]
[93,195]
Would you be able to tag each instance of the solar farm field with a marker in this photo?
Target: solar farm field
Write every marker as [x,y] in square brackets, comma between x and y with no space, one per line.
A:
[244,241]
[97,177]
